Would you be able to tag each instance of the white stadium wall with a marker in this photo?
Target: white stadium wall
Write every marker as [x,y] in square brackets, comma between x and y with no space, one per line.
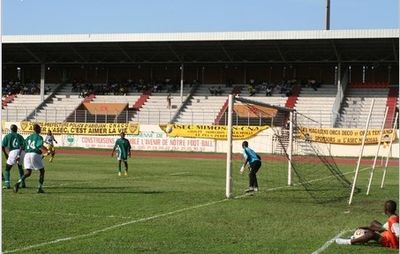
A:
[152,138]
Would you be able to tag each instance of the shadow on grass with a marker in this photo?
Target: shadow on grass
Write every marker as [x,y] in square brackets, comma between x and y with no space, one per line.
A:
[96,190]
[91,190]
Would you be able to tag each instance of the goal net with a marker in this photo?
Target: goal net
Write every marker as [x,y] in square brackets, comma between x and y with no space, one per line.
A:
[292,158]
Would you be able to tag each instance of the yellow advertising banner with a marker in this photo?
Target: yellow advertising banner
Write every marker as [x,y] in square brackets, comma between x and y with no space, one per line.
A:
[211,131]
[345,136]
[84,128]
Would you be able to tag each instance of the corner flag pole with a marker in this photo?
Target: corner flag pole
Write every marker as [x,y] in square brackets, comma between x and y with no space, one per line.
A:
[228,189]
[377,151]
[388,153]
[361,152]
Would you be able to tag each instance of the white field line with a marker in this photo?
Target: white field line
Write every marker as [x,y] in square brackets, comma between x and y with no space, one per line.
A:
[120,225]
[115,226]
[330,241]
[138,221]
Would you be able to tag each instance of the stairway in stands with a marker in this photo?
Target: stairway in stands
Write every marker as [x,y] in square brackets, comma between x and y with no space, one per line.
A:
[391,103]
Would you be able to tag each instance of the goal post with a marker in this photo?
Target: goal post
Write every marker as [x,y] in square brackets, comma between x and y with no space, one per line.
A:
[377,151]
[295,157]
[282,112]
[229,181]
[389,151]
[361,152]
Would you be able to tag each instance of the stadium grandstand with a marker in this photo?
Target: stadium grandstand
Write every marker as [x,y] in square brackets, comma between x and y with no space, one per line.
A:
[328,76]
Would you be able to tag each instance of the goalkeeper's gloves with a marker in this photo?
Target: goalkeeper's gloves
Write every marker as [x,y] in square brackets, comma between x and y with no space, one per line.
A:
[242,169]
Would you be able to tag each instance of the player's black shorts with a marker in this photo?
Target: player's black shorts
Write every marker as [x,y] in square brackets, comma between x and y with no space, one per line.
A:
[255,165]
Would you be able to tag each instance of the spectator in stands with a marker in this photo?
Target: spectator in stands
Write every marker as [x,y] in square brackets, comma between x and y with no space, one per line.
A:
[219,91]
[288,91]
[212,90]
[169,99]
[251,90]
[268,91]
[313,84]
[283,87]
[155,88]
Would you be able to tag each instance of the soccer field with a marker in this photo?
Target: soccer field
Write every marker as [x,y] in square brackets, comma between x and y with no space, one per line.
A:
[171,205]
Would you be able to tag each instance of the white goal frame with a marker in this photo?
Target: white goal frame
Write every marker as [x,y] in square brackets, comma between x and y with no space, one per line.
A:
[229,179]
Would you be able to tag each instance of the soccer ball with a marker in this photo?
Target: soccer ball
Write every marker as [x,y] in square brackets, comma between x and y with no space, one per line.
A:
[358,233]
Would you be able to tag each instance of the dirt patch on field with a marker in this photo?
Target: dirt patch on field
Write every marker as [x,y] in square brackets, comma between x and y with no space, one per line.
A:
[349,161]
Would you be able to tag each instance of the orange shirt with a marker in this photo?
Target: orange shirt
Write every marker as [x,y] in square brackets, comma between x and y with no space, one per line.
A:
[388,238]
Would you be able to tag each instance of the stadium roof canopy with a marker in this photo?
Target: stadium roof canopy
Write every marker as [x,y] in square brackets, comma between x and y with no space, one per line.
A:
[320,46]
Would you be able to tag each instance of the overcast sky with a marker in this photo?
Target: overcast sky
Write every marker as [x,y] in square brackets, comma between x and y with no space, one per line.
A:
[146,16]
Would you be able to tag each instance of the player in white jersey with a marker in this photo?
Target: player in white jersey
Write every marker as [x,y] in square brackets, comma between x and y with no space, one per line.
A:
[49,144]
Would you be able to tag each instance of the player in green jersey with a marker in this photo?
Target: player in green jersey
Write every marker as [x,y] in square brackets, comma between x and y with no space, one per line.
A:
[33,157]
[123,148]
[12,147]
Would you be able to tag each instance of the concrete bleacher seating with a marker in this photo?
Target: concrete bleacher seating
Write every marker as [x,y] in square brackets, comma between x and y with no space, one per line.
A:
[67,90]
[203,107]
[317,105]
[276,100]
[356,106]
[155,110]
[202,110]
[21,107]
[130,99]
[57,109]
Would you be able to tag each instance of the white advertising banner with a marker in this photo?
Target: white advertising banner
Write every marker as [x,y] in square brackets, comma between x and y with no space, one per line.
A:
[150,138]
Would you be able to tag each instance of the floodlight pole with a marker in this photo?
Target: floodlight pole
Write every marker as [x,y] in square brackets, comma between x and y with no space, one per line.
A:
[290,148]
[228,189]
[361,152]
[328,15]
[390,149]
[377,151]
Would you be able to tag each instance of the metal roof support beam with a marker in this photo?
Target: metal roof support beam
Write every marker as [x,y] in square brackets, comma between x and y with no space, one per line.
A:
[125,53]
[32,54]
[338,58]
[77,53]
[174,52]
[280,52]
[395,51]
[226,52]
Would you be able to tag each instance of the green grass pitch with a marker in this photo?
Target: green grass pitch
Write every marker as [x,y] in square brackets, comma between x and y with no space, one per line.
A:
[177,205]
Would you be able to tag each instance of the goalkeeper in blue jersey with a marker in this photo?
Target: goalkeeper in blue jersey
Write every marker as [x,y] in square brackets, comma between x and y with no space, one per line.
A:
[123,148]
[253,161]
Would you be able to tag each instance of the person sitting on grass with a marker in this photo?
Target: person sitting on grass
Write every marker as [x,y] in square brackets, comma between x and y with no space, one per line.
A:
[387,235]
